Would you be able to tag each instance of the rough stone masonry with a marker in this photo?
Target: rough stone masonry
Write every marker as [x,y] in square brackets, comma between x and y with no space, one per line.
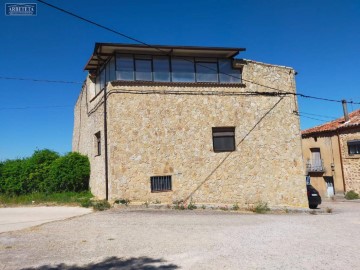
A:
[162,129]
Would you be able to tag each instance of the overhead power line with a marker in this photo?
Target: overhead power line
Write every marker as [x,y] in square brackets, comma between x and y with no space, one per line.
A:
[320,115]
[38,80]
[35,107]
[158,49]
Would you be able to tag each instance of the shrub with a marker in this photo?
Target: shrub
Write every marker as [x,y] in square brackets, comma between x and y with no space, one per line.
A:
[13,177]
[69,173]
[261,208]
[37,170]
[235,207]
[191,206]
[122,201]
[351,195]
[100,205]
[179,205]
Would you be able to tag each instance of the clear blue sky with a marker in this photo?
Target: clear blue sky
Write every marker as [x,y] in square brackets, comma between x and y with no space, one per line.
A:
[319,38]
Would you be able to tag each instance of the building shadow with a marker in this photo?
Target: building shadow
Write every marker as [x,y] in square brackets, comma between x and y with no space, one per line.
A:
[141,263]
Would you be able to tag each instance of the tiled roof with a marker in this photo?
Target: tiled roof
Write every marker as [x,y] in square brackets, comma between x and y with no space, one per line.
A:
[354,120]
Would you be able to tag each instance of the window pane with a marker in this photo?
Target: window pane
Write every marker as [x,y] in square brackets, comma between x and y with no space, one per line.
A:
[227,74]
[143,70]
[112,69]
[183,70]
[206,72]
[161,69]
[224,144]
[102,78]
[223,139]
[124,67]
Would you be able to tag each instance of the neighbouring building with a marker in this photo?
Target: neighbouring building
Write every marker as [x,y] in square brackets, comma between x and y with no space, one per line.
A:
[170,123]
[332,155]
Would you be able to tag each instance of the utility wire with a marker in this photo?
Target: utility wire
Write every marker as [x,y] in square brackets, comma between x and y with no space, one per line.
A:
[324,116]
[34,107]
[321,120]
[237,145]
[166,53]
[37,80]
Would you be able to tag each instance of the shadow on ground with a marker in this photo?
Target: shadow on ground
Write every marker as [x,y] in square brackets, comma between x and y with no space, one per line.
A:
[142,263]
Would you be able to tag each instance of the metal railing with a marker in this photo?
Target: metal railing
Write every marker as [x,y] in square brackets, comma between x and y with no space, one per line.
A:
[315,165]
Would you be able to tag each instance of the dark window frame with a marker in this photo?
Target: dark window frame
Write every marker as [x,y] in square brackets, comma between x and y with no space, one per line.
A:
[224,132]
[353,145]
[98,143]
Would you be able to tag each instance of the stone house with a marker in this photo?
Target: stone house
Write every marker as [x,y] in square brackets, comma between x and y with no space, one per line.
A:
[170,123]
[332,155]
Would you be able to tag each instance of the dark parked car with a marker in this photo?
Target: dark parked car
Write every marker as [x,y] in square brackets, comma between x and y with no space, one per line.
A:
[313,197]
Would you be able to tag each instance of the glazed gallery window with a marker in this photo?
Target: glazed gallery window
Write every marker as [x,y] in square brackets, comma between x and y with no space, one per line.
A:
[223,139]
[157,68]
[354,147]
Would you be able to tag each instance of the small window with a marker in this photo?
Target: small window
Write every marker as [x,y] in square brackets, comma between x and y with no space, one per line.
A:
[160,183]
[354,147]
[98,144]
[223,139]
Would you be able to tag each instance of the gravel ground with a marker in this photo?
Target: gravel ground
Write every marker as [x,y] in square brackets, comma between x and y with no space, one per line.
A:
[170,239]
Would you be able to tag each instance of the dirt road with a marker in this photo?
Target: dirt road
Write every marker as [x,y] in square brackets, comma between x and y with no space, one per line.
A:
[170,239]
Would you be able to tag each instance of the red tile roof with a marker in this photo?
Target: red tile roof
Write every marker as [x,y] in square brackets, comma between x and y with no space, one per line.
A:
[335,124]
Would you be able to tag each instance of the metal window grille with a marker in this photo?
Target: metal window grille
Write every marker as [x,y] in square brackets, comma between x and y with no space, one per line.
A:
[160,183]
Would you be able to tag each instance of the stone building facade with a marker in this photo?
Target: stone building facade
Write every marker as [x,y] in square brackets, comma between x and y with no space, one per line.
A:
[336,147]
[207,138]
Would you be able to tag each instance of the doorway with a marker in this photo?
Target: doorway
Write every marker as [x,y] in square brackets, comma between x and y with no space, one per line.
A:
[329,180]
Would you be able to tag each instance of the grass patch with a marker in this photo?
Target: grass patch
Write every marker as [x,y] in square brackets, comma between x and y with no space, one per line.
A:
[100,205]
[122,201]
[260,208]
[351,195]
[72,198]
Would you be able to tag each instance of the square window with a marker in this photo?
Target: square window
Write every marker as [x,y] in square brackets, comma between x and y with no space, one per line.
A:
[354,147]
[160,183]
[223,139]
[98,144]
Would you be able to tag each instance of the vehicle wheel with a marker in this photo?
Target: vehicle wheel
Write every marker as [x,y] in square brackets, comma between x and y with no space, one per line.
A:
[313,206]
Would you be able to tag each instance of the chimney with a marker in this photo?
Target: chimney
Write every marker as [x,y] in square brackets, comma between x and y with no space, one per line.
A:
[346,115]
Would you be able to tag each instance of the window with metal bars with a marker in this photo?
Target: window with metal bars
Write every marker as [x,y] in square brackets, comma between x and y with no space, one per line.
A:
[160,183]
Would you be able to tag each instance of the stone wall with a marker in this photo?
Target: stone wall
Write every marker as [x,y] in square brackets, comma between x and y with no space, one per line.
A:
[88,120]
[166,129]
[351,163]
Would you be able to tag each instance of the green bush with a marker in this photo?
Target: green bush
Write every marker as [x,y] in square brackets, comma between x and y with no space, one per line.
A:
[69,173]
[351,195]
[37,170]
[45,171]
[100,205]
